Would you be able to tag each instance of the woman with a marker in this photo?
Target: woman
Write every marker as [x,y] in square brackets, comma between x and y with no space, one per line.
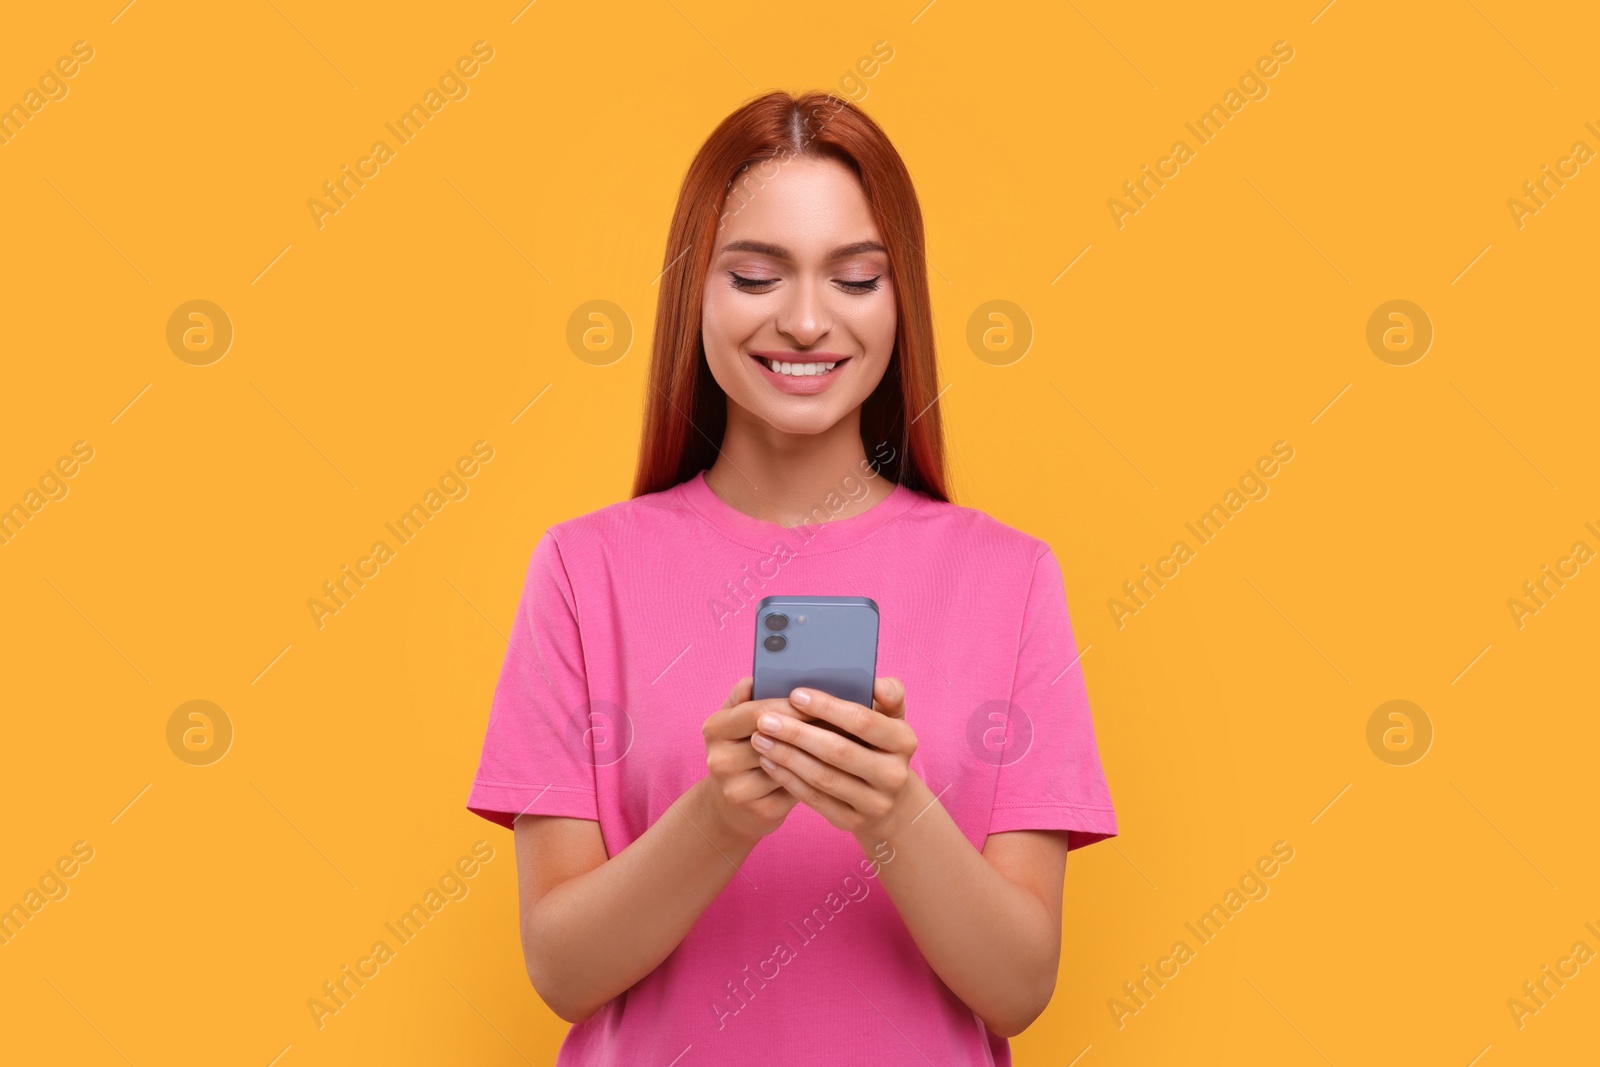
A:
[735,885]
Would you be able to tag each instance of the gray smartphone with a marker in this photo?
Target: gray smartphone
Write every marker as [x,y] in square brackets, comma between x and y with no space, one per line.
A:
[820,642]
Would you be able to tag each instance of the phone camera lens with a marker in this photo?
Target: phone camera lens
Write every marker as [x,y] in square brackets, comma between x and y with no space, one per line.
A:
[775,643]
[777,620]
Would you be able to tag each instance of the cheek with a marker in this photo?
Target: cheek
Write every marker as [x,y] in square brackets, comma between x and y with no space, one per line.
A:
[725,325]
[873,322]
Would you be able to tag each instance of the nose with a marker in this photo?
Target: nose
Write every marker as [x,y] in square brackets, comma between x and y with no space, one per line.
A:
[803,316]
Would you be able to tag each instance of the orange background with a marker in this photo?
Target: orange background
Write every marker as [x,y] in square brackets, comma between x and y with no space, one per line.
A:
[368,354]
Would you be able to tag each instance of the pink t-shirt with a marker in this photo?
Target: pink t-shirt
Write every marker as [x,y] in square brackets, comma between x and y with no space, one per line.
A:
[640,619]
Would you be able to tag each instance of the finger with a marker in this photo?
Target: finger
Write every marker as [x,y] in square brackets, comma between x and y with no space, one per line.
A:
[840,752]
[819,775]
[873,727]
[829,807]
[889,697]
[733,721]
[740,694]
[746,714]
[754,783]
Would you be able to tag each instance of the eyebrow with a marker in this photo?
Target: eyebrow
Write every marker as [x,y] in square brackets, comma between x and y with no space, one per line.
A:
[779,252]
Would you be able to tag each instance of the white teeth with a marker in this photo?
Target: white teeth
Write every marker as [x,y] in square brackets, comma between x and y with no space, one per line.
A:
[800,370]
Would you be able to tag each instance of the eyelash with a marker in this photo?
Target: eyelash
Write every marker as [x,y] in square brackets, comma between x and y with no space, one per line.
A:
[746,284]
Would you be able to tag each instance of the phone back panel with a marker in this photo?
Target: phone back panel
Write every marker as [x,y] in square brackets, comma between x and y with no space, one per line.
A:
[832,645]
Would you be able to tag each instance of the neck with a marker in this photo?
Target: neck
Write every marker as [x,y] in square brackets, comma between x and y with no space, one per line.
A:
[788,478]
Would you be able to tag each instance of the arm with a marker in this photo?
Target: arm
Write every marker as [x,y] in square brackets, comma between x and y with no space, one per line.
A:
[989,923]
[593,926]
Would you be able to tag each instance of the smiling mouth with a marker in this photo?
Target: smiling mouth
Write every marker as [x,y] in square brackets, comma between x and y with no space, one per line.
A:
[800,370]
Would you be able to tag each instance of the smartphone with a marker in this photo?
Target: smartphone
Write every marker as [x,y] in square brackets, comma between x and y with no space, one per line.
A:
[820,642]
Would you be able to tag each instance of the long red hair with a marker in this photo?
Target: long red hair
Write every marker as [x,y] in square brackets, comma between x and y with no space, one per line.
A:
[685,409]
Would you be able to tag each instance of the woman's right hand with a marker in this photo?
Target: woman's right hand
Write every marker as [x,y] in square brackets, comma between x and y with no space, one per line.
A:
[741,796]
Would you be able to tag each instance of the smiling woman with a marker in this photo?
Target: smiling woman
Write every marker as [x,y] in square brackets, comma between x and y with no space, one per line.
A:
[793,338]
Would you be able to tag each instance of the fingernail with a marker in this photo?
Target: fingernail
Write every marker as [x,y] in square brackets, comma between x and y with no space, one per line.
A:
[761,741]
[801,697]
[769,723]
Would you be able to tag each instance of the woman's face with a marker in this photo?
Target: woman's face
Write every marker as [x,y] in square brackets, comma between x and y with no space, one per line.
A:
[799,275]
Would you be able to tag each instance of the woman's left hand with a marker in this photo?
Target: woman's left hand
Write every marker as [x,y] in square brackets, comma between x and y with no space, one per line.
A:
[852,786]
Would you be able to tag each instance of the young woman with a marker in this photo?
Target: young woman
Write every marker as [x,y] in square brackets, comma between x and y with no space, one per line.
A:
[705,885]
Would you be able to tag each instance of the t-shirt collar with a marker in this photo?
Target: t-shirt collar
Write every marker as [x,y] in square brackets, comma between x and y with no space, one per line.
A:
[822,534]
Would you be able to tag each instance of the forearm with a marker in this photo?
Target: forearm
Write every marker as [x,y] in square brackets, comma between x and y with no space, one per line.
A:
[592,937]
[988,938]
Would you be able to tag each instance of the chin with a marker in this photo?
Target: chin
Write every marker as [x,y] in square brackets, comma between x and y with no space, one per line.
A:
[786,419]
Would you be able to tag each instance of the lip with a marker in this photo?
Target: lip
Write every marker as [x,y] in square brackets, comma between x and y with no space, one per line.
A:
[800,386]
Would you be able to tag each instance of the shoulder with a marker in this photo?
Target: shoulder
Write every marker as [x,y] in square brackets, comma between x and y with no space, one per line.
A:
[617,522]
[970,532]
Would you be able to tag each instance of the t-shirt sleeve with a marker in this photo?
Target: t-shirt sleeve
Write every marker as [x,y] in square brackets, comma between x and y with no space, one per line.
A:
[535,757]
[1050,776]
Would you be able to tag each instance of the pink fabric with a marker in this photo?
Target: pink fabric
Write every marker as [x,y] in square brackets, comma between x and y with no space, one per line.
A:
[635,622]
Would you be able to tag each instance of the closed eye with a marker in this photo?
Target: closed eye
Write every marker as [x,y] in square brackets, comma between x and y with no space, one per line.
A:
[757,284]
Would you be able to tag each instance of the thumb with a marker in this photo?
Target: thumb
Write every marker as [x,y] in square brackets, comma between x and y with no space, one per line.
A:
[889,697]
[741,693]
